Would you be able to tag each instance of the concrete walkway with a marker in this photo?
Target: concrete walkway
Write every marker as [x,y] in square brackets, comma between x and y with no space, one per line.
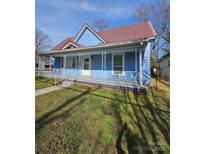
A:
[47,90]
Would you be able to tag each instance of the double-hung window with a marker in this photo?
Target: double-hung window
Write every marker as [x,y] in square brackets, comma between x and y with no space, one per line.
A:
[71,62]
[118,63]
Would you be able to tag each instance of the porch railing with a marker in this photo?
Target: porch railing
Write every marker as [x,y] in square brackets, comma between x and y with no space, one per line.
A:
[128,78]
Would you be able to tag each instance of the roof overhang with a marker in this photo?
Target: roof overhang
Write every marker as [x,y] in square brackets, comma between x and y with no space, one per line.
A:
[138,43]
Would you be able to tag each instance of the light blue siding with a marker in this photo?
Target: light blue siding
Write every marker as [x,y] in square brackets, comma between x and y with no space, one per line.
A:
[109,61]
[96,66]
[146,65]
[70,72]
[88,38]
[96,61]
[130,66]
[57,62]
[130,61]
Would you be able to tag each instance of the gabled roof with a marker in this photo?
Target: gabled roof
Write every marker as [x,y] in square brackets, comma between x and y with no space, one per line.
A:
[86,26]
[71,42]
[66,42]
[133,32]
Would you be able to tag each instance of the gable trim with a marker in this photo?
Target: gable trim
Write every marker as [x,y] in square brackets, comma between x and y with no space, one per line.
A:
[69,43]
[83,30]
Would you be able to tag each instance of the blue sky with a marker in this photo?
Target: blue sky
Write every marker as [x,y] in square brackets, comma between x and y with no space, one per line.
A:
[63,18]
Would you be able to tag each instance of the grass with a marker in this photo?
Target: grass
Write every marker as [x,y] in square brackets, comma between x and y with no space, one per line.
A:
[84,120]
[42,82]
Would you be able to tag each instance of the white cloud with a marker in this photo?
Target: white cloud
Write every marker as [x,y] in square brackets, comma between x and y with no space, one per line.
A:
[107,10]
[104,8]
[116,11]
[88,7]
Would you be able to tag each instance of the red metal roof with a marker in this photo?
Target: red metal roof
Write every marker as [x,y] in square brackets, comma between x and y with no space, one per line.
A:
[62,44]
[133,32]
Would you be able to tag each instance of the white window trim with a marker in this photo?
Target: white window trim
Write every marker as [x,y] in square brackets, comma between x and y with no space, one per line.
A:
[123,63]
[71,57]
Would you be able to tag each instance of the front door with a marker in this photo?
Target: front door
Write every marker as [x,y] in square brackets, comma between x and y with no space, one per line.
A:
[86,65]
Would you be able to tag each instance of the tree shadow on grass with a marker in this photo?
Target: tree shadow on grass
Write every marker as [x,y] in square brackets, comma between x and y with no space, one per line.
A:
[46,118]
[139,143]
[158,118]
[134,142]
[117,98]
[160,96]
[162,116]
[147,119]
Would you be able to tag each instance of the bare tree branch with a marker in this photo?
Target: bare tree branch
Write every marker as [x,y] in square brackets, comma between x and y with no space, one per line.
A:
[42,41]
[158,13]
[101,24]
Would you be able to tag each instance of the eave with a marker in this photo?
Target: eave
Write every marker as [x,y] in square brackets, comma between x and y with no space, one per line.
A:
[138,43]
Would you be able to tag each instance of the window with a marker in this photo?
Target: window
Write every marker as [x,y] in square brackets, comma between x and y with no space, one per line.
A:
[86,63]
[71,62]
[118,64]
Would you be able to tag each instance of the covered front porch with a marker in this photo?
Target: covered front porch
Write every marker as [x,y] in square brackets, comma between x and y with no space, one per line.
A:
[110,67]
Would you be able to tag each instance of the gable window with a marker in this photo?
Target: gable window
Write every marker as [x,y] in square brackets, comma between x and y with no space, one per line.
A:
[118,62]
[71,62]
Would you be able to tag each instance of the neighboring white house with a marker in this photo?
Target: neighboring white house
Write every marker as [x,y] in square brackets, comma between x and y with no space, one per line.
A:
[46,62]
[164,67]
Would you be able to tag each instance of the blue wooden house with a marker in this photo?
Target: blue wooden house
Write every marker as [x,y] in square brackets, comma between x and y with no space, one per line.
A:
[113,57]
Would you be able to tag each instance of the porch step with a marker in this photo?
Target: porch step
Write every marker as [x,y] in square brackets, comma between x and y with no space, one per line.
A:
[66,84]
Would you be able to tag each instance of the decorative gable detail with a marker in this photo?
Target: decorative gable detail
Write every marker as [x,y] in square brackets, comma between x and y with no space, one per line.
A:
[70,45]
[88,37]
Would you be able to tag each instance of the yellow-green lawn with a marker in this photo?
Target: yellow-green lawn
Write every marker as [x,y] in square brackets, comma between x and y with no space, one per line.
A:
[85,120]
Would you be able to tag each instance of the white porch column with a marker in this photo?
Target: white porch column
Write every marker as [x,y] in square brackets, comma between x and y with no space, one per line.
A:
[64,61]
[78,65]
[39,65]
[105,63]
[64,67]
[80,62]
[102,62]
[50,59]
[102,66]
[140,66]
